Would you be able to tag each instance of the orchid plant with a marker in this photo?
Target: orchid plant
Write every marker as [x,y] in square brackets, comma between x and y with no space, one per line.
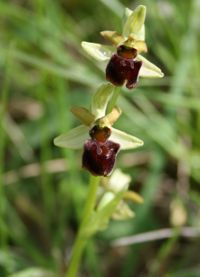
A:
[101,142]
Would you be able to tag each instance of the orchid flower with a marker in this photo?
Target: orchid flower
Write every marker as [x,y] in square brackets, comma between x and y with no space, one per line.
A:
[99,140]
[125,63]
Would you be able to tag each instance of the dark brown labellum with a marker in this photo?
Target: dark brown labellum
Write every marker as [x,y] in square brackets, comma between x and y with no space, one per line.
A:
[99,153]
[123,68]
[99,157]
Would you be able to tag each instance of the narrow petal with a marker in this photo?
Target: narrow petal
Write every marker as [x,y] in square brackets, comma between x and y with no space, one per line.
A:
[113,37]
[148,69]
[122,211]
[133,196]
[134,24]
[84,115]
[98,51]
[125,140]
[139,45]
[74,139]
[110,118]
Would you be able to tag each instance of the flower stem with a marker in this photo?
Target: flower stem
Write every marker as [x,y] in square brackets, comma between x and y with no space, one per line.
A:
[82,240]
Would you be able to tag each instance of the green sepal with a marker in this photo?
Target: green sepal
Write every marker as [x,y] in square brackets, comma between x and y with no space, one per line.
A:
[134,24]
[148,69]
[101,99]
[125,140]
[97,51]
[74,139]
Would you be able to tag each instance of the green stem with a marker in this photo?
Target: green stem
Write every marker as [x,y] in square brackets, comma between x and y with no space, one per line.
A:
[82,240]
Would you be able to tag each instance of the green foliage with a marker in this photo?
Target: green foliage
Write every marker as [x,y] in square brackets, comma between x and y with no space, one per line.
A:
[44,72]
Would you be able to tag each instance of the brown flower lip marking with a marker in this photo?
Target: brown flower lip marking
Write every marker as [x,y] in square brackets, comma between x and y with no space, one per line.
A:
[99,153]
[100,134]
[126,52]
[123,68]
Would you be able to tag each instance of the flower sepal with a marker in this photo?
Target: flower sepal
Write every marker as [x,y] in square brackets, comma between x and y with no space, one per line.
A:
[98,51]
[101,99]
[134,23]
[73,139]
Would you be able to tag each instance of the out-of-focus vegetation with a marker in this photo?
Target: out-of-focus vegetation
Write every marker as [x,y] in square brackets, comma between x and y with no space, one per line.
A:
[43,72]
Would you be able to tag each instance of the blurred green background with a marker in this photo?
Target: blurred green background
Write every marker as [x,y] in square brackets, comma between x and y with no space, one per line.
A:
[43,72]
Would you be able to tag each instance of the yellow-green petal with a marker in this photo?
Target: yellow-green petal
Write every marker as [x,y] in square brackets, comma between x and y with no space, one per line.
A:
[113,37]
[133,196]
[109,119]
